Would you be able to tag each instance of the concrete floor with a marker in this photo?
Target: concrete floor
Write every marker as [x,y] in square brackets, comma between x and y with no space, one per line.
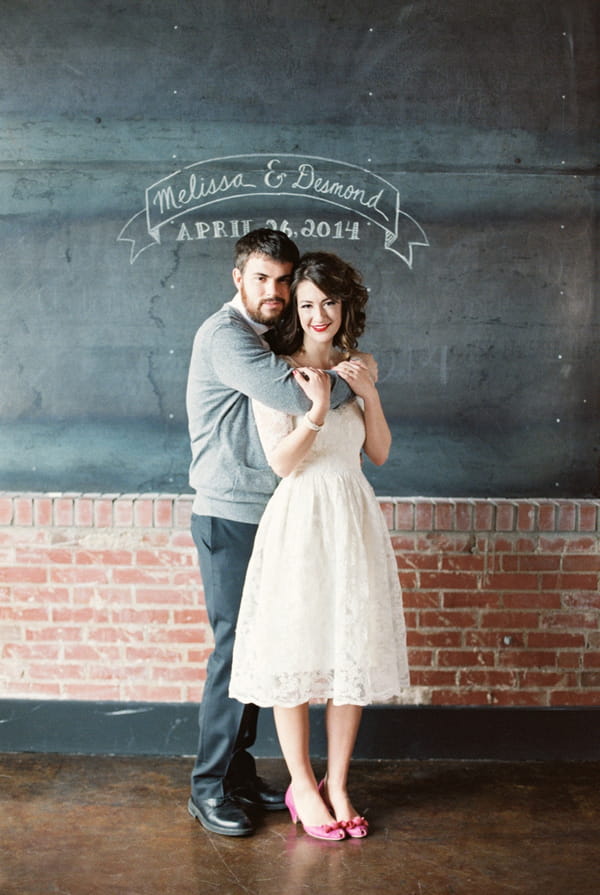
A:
[82,825]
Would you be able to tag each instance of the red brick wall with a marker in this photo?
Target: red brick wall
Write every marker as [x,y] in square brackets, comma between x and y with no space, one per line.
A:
[100,599]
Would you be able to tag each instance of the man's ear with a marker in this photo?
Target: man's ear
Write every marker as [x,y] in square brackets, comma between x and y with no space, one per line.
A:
[237,277]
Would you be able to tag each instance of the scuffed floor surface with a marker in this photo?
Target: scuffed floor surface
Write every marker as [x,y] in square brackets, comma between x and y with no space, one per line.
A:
[82,825]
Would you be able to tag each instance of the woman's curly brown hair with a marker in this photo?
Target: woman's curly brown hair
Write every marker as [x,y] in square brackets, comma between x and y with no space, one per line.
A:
[336,279]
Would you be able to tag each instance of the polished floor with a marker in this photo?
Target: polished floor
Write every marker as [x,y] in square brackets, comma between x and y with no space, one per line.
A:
[82,825]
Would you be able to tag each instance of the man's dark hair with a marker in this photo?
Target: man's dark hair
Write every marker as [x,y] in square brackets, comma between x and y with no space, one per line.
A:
[273,243]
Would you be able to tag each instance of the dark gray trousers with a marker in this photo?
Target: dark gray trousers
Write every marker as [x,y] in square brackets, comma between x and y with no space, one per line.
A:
[227,727]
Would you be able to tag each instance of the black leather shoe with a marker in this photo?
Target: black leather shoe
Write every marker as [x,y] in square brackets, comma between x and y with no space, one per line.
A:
[259,794]
[222,816]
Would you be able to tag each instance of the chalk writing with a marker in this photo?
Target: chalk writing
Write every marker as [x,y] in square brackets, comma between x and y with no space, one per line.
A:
[193,230]
[240,178]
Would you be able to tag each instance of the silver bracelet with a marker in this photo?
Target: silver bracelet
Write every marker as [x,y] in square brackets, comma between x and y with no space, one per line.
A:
[310,423]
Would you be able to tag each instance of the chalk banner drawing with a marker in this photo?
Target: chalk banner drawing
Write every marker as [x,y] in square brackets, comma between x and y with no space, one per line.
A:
[239,178]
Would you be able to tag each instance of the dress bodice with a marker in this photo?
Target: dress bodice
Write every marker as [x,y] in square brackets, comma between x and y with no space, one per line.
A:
[337,446]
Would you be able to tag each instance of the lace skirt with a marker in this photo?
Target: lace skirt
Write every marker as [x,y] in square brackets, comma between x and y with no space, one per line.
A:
[321,614]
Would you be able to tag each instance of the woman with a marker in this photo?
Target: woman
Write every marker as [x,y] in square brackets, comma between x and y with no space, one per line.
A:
[321,614]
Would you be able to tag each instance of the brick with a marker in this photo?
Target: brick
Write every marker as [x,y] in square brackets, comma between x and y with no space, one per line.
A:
[23,574]
[489,678]
[42,652]
[103,513]
[581,545]
[457,697]
[165,557]
[506,620]
[143,512]
[432,678]
[30,613]
[569,698]
[581,599]
[568,659]
[408,580]
[461,658]
[588,515]
[496,639]
[182,512]
[135,616]
[539,563]
[421,599]
[41,672]
[6,510]
[527,658]
[526,516]
[471,599]
[556,640]
[569,581]
[449,580]
[420,657]
[464,516]
[547,517]
[567,516]
[42,511]
[451,619]
[23,509]
[424,516]
[163,513]
[407,561]
[484,516]
[387,509]
[512,581]
[63,511]
[513,697]
[451,637]
[104,557]
[443,516]
[531,600]
[53,634]
[405,516]
[581,563]
[565,620]
[78,574]
[190,617]
[184,540]
[85,653]
[470,562]
[84,512]
[138,575]
[123,513]
[505,516]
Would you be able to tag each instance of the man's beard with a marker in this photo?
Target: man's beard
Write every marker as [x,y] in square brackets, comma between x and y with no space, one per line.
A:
[256,314]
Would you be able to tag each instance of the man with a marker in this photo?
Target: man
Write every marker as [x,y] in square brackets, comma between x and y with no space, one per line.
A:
[231,364]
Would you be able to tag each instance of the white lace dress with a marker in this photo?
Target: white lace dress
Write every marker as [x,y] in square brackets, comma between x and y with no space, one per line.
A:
[321,613]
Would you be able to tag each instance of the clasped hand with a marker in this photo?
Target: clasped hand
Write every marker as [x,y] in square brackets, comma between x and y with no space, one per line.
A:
[356,373]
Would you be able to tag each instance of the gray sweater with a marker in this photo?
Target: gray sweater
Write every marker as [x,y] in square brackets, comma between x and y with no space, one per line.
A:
[230,365]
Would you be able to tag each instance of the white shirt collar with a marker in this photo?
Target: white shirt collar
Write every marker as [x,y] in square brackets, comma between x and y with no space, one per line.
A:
[238,304]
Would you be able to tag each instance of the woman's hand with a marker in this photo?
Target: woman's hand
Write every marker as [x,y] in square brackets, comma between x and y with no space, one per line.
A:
[316,384]
[356,373]
[370,361]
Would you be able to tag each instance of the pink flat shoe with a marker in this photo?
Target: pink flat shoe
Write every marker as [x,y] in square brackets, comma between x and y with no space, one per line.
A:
[334,832]
[357,828]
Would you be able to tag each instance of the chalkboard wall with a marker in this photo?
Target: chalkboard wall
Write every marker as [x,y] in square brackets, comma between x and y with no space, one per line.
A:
[447,149]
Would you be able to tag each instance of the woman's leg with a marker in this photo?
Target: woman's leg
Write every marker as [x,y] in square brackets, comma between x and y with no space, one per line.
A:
[342,723]
[293,731]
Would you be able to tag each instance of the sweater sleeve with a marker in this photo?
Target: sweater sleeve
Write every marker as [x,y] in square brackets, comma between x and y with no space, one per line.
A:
[243,362]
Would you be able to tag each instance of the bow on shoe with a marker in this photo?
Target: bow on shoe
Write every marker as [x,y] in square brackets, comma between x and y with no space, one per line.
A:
[357,828]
